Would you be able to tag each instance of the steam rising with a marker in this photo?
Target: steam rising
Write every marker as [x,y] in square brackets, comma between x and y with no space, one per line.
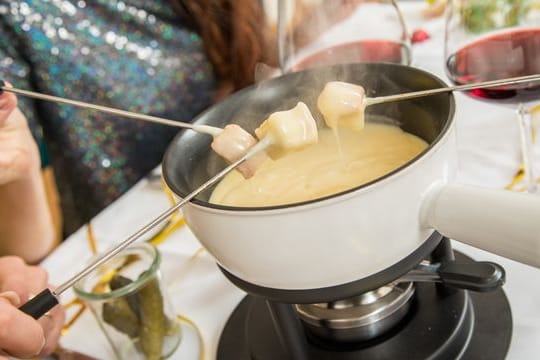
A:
[424,117]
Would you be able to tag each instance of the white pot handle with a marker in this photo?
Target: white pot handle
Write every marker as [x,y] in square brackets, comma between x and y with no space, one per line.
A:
[499,221]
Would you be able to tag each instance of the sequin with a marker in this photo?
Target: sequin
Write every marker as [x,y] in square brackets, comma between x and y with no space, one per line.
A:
[131,54]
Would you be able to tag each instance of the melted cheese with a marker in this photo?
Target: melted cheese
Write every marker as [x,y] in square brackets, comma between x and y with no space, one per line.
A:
[321,169]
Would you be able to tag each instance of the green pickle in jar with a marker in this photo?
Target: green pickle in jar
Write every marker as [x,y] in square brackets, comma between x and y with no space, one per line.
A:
[140,315]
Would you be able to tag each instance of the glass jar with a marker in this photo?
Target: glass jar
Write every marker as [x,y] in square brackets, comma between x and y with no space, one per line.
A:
[128,300]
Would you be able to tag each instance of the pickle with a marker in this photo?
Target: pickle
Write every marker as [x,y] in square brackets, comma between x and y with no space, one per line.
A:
[119,315]
[153,323]
[119,281]
[139,315]
[122,313]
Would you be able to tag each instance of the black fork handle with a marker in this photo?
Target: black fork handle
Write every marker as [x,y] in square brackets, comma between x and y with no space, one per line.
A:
[40,304]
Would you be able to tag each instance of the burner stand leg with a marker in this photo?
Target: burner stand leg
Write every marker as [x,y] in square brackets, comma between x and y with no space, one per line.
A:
[289,329]
[443,253]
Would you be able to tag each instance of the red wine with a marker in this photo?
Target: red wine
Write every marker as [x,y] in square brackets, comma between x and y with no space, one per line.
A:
[359,51]
[504,55]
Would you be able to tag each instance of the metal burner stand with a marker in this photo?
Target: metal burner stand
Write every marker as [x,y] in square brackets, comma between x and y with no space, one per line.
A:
[443,323]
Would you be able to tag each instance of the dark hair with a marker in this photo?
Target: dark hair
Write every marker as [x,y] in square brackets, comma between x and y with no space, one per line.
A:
[235,36]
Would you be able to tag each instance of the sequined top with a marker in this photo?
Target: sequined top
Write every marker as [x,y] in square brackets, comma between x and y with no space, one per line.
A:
[133,54]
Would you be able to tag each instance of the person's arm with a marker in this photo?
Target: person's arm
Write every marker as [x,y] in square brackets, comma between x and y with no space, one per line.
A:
[26,227]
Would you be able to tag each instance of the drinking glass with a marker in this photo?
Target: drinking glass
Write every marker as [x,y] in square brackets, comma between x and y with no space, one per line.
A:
[326,32]
[491,40]
[127,298]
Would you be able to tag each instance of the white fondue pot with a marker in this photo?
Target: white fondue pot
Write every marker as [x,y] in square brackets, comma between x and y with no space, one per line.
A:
[357,233]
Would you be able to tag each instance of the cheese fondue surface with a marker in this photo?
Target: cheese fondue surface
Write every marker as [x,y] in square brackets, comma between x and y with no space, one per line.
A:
[334,164]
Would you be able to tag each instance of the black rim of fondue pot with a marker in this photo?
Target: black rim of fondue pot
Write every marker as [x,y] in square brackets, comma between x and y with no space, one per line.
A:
[189,160]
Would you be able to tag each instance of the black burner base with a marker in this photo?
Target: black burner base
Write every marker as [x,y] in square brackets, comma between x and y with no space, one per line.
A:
[441,325]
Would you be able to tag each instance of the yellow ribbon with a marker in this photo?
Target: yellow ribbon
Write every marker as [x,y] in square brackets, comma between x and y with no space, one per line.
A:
[200,339]
[516,182]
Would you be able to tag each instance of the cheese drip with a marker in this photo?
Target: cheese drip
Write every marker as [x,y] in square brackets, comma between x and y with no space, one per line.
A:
[319,170]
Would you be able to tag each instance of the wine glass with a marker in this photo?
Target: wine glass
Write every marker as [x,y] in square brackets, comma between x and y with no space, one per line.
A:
[325,32]
[491,40]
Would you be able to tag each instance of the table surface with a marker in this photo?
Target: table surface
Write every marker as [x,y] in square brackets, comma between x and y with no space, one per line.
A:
[489,156]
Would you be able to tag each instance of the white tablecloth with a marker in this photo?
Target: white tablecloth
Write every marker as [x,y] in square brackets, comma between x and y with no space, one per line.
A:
[489,156]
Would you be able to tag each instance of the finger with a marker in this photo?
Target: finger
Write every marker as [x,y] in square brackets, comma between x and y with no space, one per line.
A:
[16,276]
[12,297]
[20,335]
[12,269]
[52,323]
[8,102]
[24,286]
[37,279]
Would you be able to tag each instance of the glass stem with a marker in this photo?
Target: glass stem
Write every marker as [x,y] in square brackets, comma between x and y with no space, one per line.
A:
[282,34]
[526,135]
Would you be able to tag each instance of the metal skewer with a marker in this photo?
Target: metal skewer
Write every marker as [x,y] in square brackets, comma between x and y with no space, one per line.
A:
[212,130]
[479,85]
[47,299]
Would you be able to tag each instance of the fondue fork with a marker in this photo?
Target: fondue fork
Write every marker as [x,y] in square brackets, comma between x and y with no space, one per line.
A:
[480,85]
[214,131]
[47,299]
[206,129]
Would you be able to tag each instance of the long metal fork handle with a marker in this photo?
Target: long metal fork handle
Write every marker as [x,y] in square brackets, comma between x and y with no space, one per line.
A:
[47,299]
[109,110]
[479,85]
[159,219]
